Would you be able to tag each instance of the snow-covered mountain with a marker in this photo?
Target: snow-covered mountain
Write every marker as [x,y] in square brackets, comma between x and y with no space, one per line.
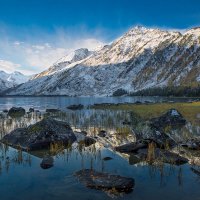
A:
[65,61]
[11,80]
[140,59]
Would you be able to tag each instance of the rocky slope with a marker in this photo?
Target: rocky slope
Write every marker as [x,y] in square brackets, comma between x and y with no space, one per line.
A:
[11,80]
[140,59]
[67,60]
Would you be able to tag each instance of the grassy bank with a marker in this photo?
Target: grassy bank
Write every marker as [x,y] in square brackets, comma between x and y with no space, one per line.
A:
[190,111]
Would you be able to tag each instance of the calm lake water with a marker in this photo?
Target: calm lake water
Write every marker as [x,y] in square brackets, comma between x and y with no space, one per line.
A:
[62,102]
[21,176]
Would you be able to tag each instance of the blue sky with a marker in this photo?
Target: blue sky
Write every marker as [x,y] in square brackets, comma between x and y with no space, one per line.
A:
[35,33]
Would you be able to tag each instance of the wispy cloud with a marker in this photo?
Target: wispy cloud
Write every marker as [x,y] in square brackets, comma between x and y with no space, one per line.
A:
[35,54]
[8,66]
[32,51]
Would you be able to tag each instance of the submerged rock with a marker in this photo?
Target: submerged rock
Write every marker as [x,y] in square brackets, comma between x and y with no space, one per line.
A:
[47,162]
[16,112]
[75,107]
[40,135]
[105,181]
[170,118]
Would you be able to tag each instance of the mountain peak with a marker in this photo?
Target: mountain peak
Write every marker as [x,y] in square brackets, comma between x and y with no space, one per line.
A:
[194,31]
[138,30]
[142,30]
[8,80]
[76,55]
[72,57]
[142,58]
[17,73]
[139,27]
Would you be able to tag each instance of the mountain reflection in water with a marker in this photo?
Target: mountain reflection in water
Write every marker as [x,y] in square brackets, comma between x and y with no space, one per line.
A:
[22,177]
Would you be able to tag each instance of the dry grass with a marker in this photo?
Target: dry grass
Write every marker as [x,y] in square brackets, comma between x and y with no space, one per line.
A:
[148,111]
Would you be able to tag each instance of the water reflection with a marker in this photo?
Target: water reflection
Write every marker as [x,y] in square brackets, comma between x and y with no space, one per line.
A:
[88,158]
[93,121]
[77,156]
[12,157]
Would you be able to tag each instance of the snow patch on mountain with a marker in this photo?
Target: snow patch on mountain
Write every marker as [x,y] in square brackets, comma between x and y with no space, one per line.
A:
[66,61]
[140,59]
[9,80]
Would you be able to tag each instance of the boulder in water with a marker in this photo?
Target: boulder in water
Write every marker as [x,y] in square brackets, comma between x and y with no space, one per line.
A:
[16,112]
[105,181]
[170,118]
[40,135]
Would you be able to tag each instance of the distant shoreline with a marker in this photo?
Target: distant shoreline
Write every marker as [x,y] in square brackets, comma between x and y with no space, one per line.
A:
[20,96]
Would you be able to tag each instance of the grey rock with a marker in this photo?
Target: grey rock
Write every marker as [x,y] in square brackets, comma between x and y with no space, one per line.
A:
[105,181]
[170,118]
[40,135]
[146,132]
[16,112]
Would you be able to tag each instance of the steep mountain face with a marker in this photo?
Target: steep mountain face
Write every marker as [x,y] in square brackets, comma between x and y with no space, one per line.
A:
[69,59]
[11,80]
[140,59]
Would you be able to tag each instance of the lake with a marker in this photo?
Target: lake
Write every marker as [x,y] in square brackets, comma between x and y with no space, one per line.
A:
[62,101]
[21,176]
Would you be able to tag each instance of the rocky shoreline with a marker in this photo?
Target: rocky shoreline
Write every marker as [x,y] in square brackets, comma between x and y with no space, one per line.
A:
[148,142]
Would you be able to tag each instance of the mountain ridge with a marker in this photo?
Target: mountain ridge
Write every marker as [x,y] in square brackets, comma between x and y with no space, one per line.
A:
[9,80]
[142,58]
